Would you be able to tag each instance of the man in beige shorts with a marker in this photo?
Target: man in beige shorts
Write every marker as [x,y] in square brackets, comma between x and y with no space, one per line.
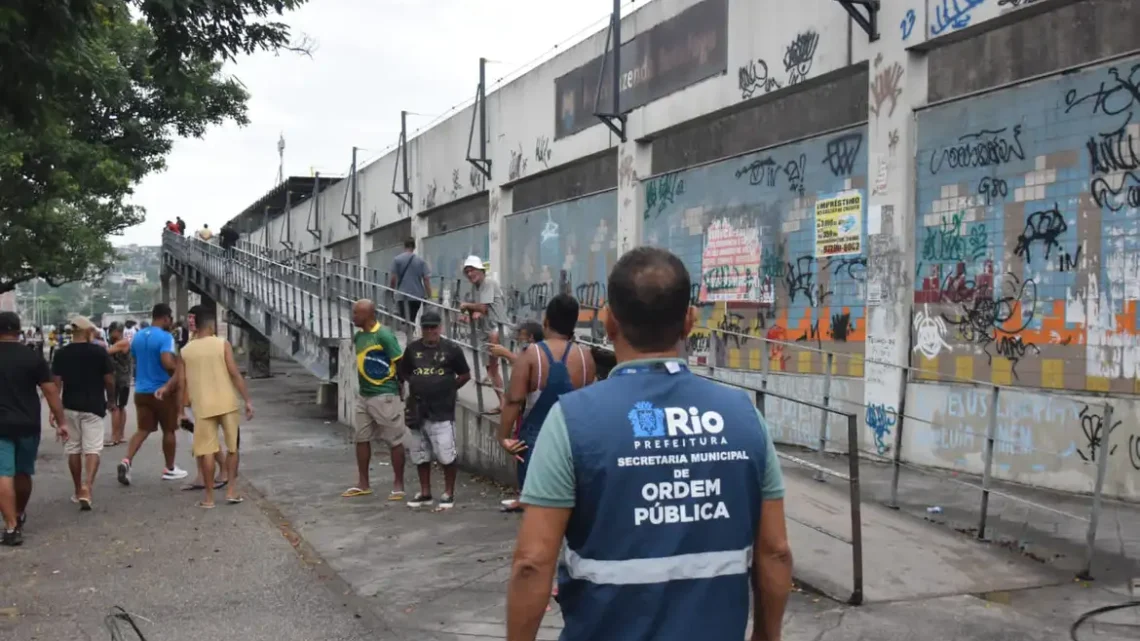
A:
[379,406]
[211,376]
[84,370]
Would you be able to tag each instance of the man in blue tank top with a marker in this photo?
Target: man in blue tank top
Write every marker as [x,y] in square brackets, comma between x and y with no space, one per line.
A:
[661,490]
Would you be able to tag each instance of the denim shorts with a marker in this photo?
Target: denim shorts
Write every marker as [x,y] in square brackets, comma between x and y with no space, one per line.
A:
[18,455]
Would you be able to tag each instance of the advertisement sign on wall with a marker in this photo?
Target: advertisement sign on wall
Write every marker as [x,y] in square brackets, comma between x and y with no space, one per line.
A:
[839,225]
[687,48]
[730,265]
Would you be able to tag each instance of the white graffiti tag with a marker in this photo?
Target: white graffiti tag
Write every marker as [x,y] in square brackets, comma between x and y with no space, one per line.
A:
[929,334]
[550,230]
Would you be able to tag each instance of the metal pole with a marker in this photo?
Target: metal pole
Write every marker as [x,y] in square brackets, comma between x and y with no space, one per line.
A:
[819,476]
[482,109]
[856,510]
[472,336]
[617,56]
[321,248]
[896,456]
[355,208]
[1102,452]
[764,365]
[404,147]
[988,462]
[265,232]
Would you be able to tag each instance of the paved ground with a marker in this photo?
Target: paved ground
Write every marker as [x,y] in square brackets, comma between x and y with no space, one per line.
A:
[302,563]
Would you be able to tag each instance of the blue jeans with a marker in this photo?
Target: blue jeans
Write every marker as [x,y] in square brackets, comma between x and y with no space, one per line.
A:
[18,455]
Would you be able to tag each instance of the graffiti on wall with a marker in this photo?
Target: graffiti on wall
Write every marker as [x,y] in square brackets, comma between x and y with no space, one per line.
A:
[951,15]
[445,254]
[755,79]
[1027,250]
[774,243]
[565,247]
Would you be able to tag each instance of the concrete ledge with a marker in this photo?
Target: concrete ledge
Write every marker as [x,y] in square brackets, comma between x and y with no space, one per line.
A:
[479,450]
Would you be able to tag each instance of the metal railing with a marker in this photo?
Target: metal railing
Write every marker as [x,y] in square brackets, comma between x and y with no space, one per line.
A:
[331,286]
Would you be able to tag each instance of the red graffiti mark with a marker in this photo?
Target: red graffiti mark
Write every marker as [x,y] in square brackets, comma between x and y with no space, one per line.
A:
[779,334]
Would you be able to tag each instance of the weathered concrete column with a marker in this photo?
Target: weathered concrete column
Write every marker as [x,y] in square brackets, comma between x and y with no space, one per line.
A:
[898,85]
[502,204]
[259,355]
[633,165]
[164,280]
[181,298]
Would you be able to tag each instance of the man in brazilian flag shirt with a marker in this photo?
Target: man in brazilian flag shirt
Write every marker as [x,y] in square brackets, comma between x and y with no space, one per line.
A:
[379,408]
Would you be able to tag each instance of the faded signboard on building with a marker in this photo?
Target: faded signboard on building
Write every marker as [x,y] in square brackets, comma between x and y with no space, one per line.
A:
[687,48]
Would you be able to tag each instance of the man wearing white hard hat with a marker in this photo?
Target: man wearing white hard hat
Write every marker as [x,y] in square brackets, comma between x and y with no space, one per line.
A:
[488,309]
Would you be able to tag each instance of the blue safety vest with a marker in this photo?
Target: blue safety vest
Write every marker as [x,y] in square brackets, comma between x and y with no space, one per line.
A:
[668,469]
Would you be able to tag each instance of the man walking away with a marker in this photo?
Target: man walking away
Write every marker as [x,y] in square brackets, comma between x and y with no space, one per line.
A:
[542,375]
[21,372]
[155,405]
[489,310]
[211,376]
[410,275]
[120,353]
[83,370]
[664,486]
[181,224]
[435,369]
[379,412]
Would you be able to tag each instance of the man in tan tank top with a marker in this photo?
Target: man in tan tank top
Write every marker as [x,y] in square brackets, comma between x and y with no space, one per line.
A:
[211,376]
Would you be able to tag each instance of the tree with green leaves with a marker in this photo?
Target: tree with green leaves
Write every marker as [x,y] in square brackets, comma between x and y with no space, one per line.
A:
[91,100]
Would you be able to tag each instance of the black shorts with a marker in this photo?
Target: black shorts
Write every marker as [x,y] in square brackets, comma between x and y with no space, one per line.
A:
[409,309]
[122,395]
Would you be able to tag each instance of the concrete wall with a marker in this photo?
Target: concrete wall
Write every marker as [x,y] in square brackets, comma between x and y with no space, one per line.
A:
[957,197]
[569,246]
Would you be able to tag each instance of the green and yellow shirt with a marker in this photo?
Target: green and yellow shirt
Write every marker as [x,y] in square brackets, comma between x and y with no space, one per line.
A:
[377,355]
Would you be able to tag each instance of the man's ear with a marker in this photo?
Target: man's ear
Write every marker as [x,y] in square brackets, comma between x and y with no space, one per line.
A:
[610,323]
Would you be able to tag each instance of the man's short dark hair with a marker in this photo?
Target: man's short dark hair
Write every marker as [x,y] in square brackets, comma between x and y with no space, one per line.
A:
[161,310]
[649,297]
[204,317]
[562,314]
[410,243]
[9,323]
[196,311]
[534,328]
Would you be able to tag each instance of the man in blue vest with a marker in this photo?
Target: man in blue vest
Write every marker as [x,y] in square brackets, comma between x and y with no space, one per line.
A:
[664,486]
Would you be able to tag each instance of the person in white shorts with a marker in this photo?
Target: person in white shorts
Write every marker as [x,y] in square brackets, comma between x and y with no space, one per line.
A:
[434,370]
[83,368]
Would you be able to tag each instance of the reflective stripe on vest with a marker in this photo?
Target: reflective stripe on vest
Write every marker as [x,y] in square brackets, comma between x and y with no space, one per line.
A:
[704,565]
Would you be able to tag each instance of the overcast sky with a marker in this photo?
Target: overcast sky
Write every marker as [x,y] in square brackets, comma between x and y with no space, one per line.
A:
[373,58]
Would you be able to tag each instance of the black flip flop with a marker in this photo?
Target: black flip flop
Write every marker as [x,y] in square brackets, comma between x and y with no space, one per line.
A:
[192,488]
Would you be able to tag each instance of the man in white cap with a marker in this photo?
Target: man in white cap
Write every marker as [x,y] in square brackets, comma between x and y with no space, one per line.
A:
[489,307]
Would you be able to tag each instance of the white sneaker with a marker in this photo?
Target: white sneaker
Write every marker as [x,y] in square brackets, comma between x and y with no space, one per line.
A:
[175,474]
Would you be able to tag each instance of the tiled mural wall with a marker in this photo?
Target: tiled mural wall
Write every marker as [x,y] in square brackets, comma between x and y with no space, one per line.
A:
[774,241]
[1028,241]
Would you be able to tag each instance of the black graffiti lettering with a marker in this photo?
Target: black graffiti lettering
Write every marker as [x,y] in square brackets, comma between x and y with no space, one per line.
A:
[661,192]
[799,56]
[1113,151]
[753,78]
[542,150]
[1042,226]
[765,171]
[1116,198]
[841,326]
[1092,426]
[812,334]
[1134,451]
[1014,349]
[854,266]
[993,188]
[978,321]
[695,296]
[697,343]
[733,326]
[1015,3]
[1114,96]
[1067,262]
[517,167]
[428,201]
[799,278]
[988,147]
[591,294]
[842,152]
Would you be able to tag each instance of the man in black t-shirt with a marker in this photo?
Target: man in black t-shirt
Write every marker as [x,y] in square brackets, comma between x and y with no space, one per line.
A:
[21,372]
[84,371]
[434,370]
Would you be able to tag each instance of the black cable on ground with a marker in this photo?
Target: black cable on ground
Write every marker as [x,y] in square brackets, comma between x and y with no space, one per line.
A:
[1097,612]
[117,623]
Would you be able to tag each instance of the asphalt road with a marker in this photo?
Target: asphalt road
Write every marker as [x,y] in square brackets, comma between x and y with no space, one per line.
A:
[186,574]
